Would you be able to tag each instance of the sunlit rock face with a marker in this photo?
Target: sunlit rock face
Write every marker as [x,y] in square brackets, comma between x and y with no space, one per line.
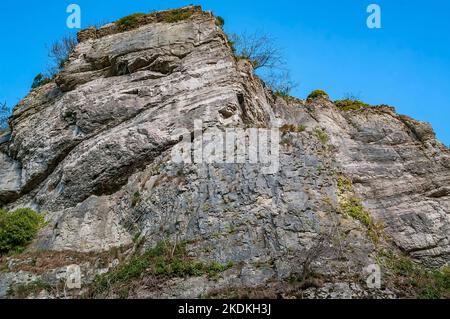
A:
[94,152]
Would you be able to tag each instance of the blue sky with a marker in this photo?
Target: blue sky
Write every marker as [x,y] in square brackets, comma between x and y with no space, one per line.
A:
[327,45]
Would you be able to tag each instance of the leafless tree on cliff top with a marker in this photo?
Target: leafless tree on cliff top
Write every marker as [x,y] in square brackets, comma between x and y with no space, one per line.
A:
[59,53]
[280,82]
[259,48]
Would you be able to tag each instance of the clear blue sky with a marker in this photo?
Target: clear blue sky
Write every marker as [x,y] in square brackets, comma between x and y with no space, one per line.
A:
[327,44]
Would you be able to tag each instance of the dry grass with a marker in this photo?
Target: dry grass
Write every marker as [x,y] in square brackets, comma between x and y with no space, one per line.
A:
[43,261]
[292,128]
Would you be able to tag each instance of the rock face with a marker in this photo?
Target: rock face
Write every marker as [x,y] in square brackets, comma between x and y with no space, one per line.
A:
[94,152]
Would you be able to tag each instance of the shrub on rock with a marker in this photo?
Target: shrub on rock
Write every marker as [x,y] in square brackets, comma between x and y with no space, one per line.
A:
[349,104]
[317,93]
[18,228]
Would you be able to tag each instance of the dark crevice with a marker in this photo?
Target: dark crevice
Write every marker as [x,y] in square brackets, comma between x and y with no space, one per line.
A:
[122,174]
[439,193]
[131,92]
[51,167]
[243,106]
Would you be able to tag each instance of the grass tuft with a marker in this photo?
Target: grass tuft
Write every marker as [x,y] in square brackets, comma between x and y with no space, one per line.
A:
[321,135]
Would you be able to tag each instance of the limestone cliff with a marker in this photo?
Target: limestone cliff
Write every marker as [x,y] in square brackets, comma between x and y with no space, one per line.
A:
[92,151]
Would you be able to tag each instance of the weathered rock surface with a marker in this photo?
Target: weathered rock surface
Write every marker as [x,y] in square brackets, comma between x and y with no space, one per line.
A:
[93,152]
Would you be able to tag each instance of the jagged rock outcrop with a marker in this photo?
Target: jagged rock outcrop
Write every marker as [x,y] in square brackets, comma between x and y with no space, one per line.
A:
[93,151]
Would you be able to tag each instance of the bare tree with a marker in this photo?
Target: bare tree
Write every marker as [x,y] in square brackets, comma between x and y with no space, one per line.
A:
[4,115]
[259,48]
[280,82]
[314,253]
[352,96]
[59,53]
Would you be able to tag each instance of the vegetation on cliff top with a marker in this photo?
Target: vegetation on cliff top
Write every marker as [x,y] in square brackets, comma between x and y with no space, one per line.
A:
[350,104]
[261,51]
[317,93]
[58,53]
[130,22]
[135,20]
[220,21]
[40,80]
[346,104]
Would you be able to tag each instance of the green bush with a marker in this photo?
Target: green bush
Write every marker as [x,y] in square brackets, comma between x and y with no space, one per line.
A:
[349,104]
[317,93]
[40,80]
[18,229]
